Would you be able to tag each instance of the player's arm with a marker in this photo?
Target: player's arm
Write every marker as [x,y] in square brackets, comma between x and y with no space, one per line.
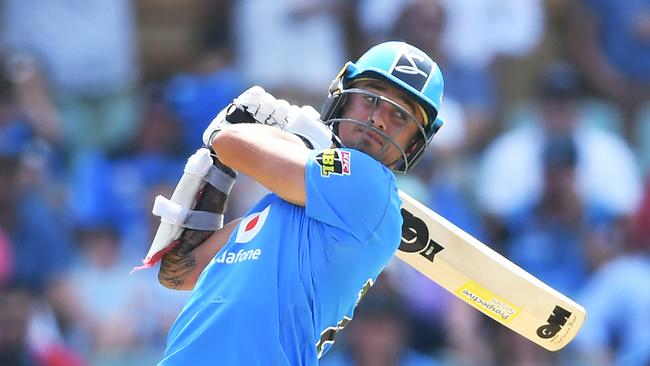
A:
[274,158]
[182,265]
[186,239]
[264,151]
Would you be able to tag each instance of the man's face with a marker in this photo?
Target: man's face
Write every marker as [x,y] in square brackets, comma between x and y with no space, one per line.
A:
[400,124]
[559,115]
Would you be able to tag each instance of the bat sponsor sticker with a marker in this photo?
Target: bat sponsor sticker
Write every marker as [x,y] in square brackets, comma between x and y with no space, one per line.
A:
[334,161]
[488,303]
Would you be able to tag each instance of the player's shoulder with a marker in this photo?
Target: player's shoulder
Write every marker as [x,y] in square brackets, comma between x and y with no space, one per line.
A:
[351,181]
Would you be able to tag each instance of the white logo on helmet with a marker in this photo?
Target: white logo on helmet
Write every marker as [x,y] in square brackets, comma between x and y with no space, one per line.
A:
[412,68]
[251,225]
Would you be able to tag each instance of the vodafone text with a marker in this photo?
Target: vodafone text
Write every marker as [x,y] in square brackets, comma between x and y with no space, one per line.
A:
[240,256]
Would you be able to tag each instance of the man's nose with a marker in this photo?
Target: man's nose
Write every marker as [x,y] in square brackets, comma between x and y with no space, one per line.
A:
[381,115]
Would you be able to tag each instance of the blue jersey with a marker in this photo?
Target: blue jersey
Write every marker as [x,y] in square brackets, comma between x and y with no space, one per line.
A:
[289,277]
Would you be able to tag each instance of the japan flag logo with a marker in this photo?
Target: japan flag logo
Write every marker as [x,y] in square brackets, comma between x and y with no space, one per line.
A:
[251,225]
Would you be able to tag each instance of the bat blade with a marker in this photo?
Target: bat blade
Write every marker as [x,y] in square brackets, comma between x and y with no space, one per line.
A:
[485,279]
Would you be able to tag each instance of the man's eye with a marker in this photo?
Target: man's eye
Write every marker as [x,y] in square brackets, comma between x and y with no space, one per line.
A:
[400,115]
[369,99]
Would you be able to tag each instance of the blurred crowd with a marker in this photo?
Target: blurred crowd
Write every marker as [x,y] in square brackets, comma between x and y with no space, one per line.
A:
[545,155]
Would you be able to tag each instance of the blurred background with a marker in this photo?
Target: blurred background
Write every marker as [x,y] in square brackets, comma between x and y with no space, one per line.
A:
[545,155]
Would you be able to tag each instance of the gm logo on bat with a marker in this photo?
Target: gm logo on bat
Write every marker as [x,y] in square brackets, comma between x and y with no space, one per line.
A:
[555,323]
[415,237]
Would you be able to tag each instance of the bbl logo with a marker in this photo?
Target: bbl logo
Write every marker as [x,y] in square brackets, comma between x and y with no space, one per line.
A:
[555,322]
[415,237]
[334,162]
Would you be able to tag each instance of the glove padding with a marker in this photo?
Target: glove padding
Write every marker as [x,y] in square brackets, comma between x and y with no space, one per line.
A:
[305,123]
[264,108]
[253,106]
[195,209]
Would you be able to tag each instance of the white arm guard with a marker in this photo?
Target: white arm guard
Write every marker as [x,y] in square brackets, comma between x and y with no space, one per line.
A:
[177,214]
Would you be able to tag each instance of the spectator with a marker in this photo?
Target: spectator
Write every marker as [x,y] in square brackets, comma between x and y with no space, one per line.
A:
[155,158]
[16,347]
[33,106]
[266,32]
[476,32]
[39,255]
[97,303]
[88,57]
[480,31]
[510,172]
[552,232]
[608,338]
[611,43]
[28,123]
[499,37]
[212,83]
[114,188]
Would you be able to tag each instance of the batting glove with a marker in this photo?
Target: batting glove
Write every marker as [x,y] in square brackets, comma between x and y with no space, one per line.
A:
[305,122]
[253,106]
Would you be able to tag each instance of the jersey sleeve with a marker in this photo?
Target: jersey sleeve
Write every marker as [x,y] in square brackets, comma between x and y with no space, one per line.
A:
[347,189]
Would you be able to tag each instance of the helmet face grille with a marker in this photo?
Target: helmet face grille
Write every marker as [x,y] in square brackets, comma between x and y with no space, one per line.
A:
[335,119]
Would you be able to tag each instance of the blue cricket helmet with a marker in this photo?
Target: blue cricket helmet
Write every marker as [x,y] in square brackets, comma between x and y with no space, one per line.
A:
[405,67]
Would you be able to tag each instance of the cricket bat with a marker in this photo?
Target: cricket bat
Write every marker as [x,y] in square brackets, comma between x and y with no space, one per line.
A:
[485,279]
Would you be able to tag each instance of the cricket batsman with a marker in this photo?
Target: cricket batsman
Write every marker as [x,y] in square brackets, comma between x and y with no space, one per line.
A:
[275,287]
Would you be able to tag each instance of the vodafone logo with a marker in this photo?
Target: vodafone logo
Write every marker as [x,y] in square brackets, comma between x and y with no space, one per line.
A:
[251,225]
